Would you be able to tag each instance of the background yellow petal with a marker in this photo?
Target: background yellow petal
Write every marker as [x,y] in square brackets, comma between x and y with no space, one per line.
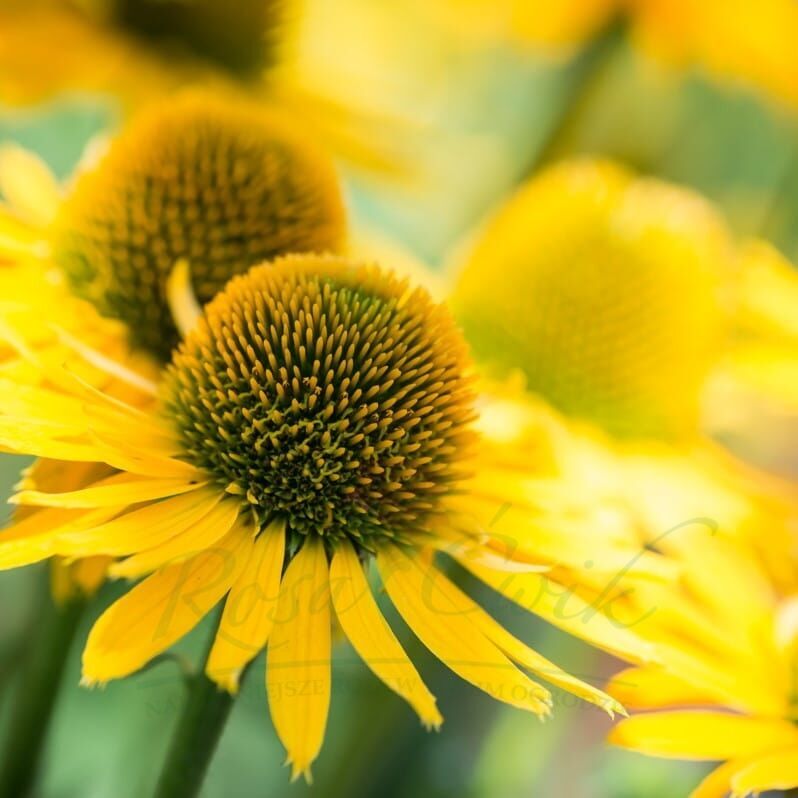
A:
[777,771]
[702,735]
[28,185]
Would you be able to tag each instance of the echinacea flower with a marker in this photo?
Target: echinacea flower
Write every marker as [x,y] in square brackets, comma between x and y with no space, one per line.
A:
[84,269]
[725,689]
[617,301]
[320,416]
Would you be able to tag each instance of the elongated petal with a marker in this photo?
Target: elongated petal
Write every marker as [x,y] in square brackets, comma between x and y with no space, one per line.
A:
[25,549]
[250,610]
[372,638]
[651,687]
[200,536]
[525,656]
[776,771]
[28,185]
[452,636]
[563,608]
[140,529]
[162,608]
[119,492]
[702,735]
[298,673]
[182,301]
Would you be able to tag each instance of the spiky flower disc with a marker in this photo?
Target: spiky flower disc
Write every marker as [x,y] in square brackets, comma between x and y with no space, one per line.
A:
[607,292]
[219,184]
[329,394]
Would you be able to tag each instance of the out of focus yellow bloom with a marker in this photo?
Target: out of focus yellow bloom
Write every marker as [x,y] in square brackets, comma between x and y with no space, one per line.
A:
[734,40]
[524,22]
[748,43]
[137,51]
[726,686]
[618,301]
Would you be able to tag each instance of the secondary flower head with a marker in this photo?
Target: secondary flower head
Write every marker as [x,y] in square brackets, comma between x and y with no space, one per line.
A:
[318,417]
[218,184]
[624,305]
[725,689]
[606,292]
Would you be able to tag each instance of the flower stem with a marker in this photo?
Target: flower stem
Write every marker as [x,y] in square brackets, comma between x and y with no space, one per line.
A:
[41,674]
[195,740]
[585,74]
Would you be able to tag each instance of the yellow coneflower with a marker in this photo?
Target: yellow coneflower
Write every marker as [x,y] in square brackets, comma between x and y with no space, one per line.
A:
[617,301]
[318,417]
[726,686]
[84,269]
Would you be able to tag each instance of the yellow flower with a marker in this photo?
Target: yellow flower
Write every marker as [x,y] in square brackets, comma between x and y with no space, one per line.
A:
[211,182]
[139,51]
[216,183]
[621,302]
[726,685]
[320,415]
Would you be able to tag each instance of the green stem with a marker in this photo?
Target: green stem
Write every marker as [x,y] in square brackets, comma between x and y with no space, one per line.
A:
[195,740]
[41,675]
[582,79]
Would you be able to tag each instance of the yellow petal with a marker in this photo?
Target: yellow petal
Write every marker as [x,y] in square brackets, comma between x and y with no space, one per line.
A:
[298,674]
[28,185]
[521,653]
[249,611]
[372,638]
[776,771]
[768,293]
[198,537]
[651,687]
[182,300]
[718,783]
[118,492]
[702,735]
[162,608]
[453,636]
[42,542]
[18,239]
[140,529]
[562,607]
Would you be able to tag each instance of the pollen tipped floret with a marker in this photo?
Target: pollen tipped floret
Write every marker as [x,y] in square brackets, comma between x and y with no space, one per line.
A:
[327,393]
[220,184]
[607,292]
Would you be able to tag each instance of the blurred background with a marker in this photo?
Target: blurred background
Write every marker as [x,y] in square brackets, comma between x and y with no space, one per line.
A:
[459,102]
